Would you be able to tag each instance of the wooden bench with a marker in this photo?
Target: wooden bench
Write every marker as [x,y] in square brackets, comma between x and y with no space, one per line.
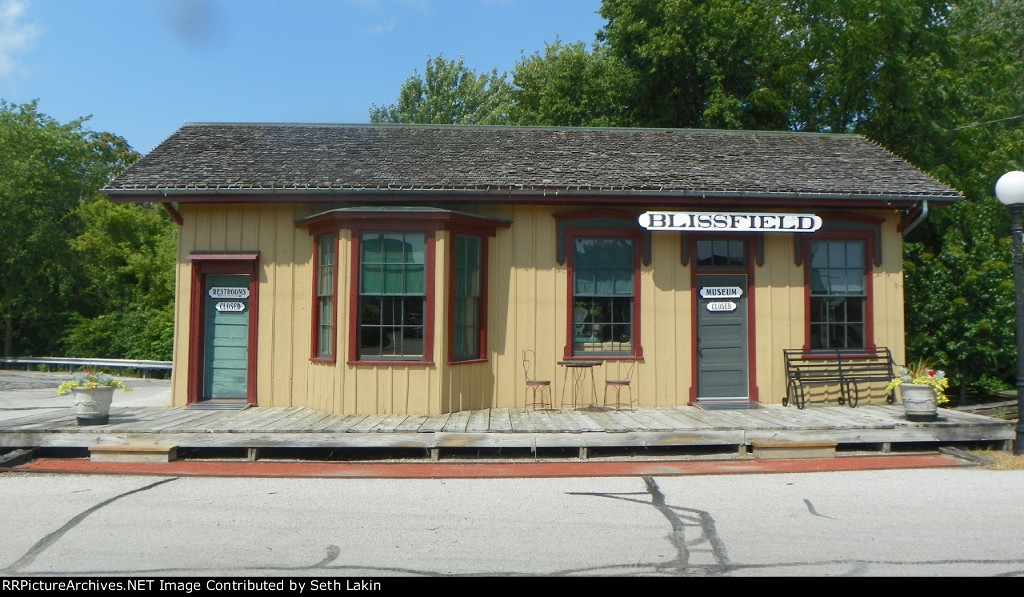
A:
[847,370]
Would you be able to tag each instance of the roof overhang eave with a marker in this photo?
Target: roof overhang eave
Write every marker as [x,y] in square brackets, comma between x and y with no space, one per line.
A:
[182,194]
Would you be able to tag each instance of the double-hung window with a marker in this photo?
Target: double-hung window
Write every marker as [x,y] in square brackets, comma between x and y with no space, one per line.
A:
[467,297]
[324,342]
[392,295]
[838,294]
[603,295]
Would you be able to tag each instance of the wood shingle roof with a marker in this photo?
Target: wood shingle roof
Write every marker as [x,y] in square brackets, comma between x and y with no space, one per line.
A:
[231,158]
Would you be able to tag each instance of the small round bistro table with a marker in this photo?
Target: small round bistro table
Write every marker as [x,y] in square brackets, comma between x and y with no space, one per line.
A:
[579,369]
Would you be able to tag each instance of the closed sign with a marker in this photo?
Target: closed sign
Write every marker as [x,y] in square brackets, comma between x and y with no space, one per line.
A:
[721,306]
[230,307]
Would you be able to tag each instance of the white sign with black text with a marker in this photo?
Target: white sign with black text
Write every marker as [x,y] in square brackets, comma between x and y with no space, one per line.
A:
[220,292]
[721,306]
[700,221]
[230,307]
[721,292]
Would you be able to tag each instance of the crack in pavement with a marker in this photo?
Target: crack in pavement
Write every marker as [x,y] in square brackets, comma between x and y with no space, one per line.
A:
[810,508]
[44,543]
[708,536]
[707,542]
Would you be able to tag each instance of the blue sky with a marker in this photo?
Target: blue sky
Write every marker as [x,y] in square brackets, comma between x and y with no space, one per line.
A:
[142,68]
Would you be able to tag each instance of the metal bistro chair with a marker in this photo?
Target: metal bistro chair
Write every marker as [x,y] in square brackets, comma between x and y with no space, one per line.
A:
[621,384]
[533,385]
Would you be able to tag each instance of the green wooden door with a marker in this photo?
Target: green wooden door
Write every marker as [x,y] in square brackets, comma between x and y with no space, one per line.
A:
[226,336]
[722,351]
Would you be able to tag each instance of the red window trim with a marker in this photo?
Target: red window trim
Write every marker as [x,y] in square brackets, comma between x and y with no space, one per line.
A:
[571,234]
[314,346]
[427,221]
[481,356]
[868,238]
[429,294]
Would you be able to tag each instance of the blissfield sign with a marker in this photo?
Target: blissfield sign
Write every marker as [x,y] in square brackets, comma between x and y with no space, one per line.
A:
[701,221]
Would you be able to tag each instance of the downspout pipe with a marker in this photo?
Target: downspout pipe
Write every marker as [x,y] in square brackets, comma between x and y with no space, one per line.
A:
[921,217]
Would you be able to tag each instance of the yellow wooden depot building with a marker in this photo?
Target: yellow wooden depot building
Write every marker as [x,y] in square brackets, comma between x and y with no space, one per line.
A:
[377,269]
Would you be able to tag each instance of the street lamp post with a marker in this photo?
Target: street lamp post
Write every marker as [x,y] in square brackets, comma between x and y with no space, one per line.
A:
[1010,192]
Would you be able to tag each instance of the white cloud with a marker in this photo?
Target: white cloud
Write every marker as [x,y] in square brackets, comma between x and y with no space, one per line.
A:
[15,36]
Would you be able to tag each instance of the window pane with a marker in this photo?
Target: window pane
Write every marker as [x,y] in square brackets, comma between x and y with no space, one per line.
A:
[392,284]
[603,271]
[838,279]
[324,324]
[721,253]
[466,302]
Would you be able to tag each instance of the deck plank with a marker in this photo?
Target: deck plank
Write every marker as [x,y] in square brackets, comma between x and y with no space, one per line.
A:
[246,421]
[565,422]
[608,423]
[779,420]
[543,422]
[343,424]
[521,421]
[479,421]
[367,424]
[457,422]
[197,421]
[583,420]
[647,421]
[499,420]
[679,418]
[390,423]
[279,416]
[412,424]
[716,419]
[435,423]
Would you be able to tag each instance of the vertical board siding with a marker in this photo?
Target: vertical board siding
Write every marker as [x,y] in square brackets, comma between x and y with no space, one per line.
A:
[779,314]
[526,310]
[663,377]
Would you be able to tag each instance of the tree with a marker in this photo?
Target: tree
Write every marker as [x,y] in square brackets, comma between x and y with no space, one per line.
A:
[448,93]
[569,86]
[705,64]
[47,169]
[126,253]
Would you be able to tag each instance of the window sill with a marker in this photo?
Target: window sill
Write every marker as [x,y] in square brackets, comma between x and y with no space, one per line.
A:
[392,363]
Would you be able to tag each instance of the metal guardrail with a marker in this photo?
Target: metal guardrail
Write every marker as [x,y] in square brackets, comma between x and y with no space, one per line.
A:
[73,362]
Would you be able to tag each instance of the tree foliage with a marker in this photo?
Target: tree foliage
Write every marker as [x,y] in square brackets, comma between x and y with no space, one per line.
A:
[46,168]
[78,274]
[126,253]
[569,86]
[448,93]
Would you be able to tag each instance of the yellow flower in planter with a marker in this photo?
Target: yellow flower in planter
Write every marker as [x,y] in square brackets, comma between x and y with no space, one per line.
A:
[923,375]
[86,379]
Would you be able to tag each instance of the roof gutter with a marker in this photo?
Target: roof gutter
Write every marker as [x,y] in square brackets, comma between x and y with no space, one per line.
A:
[921,217]
[183,193]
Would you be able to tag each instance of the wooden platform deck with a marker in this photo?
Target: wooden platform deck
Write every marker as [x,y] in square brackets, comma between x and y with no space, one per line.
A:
[869,427]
